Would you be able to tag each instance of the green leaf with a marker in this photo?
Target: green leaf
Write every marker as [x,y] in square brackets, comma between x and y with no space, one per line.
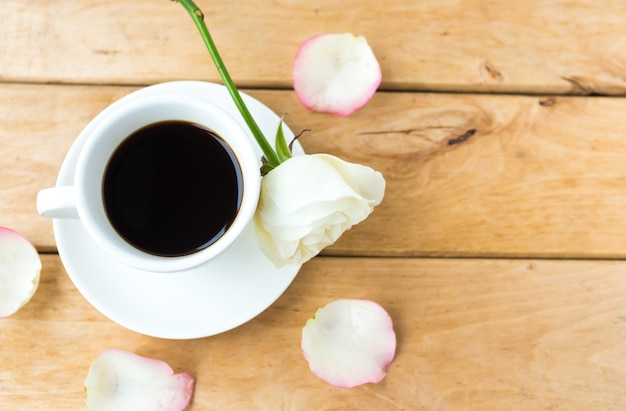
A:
[266,167]
[282,149]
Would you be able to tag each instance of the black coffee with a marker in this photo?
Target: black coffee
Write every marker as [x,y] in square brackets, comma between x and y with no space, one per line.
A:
[172,188]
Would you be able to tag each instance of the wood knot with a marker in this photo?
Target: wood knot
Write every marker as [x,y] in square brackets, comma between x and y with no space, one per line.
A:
[547,102]
[493,72]
[462,138]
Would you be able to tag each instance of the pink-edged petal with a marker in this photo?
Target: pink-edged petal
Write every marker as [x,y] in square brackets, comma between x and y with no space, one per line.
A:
[335,73]
[20,268]
[119,380]
[349,342]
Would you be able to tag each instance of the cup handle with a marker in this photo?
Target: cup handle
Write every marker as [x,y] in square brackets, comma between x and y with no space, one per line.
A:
[57,202]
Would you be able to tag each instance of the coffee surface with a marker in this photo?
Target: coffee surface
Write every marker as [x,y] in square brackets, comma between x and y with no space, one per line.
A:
[172,188]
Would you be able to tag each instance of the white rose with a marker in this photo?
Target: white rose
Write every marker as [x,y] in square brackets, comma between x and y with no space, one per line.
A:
[309,201]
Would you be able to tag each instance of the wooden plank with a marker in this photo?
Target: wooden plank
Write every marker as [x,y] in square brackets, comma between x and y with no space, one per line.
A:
[485,175]
[540,177]
[472,334]
[535,46]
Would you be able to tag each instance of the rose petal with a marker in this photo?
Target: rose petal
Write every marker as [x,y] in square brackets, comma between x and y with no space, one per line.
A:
[349,342]
[288,245]
[309,177]
[297,224]
[335,73]
[20,268]
[122,381]
[307,203]
[362,179]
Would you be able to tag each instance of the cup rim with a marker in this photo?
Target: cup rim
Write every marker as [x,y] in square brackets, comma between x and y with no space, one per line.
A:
[114,128]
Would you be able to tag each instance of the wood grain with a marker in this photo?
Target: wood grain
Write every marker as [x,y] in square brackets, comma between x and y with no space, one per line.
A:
[534,46]
[472,335]
[467,175]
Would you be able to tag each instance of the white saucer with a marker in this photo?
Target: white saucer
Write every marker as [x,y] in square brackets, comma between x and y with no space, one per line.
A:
[215,297]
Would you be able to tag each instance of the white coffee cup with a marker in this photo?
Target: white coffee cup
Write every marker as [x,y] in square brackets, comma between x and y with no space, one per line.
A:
[84,199]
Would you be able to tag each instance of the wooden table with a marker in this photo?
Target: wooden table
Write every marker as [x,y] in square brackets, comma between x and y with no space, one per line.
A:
[500,256]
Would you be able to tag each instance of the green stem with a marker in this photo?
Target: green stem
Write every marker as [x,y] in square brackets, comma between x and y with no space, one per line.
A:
[198,18]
